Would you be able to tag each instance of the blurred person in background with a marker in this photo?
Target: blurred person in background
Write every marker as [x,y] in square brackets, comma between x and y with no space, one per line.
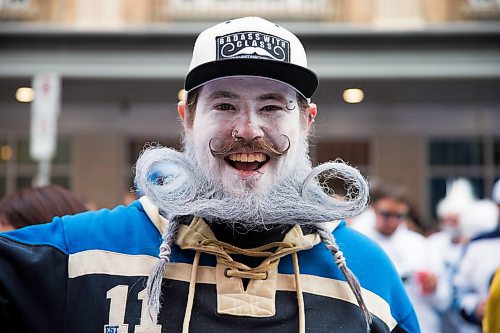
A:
[447,246]
[37,205]
[366,219]
[407,250]
[480,261]
[235,234]
[459,196]
[491,320]
[462,217]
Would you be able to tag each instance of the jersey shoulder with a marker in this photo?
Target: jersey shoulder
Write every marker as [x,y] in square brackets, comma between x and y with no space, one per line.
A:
[124,229]
[376,272]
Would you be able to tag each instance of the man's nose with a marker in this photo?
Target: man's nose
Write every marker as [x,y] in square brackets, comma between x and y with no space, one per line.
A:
[249,127]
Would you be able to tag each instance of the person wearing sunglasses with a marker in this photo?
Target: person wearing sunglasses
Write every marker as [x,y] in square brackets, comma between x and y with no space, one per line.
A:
[407,249]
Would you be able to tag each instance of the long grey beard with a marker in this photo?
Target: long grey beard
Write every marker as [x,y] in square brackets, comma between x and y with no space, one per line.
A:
[175,183]
[177,186]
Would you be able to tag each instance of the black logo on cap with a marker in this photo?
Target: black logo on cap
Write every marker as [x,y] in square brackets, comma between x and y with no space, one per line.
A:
[254,45]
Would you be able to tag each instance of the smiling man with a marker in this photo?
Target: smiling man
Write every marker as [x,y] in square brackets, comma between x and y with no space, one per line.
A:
[262,115]
[234,233]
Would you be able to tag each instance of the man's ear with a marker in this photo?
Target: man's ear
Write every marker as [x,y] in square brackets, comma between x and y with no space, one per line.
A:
[311,112]
[185,116]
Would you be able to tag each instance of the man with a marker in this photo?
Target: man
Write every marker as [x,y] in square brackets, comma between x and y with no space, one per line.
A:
[407,250]
[447,247]
[243,227]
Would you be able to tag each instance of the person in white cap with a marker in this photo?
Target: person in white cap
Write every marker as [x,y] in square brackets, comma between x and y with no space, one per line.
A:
[234,233]
[447,248]
[480,261]
[406,248]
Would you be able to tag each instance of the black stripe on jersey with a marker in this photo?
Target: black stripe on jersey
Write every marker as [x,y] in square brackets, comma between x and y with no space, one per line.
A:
[22,297]
[323,314]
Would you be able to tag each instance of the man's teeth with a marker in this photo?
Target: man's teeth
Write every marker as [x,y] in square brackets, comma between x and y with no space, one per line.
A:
[255,157]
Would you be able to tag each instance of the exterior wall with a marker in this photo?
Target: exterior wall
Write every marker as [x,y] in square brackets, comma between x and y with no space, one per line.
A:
[398,13]
[403,161]
[443,10]
[355,11]
[98,164]
[119,12]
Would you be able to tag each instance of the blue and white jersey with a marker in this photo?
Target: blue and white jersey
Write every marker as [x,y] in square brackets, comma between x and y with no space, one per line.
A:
[88,273]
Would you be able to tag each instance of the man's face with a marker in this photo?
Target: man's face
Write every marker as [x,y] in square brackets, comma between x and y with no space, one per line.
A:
[246,108]
[390,213]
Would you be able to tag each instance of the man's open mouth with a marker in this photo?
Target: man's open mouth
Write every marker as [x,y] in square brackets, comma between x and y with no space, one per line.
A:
[247,161]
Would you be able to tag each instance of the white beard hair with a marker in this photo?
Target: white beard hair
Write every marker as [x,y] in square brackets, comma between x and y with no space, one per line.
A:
[295,197]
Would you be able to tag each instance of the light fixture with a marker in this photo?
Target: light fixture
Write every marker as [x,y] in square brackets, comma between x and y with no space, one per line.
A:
[25,94]
[5,153]
[353,95]
[181,95]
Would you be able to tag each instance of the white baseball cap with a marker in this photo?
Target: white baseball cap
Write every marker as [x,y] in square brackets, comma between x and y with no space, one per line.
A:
[459,196]
[250,46]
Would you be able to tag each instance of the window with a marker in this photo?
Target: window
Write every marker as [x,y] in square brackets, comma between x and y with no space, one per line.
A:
[14,4]
[17,169]
[460,152]
[3,186]
[289,9]
[478,4]
[356,153]
[477,159]
[496,152]
[478,9]
[6,153]
[26,181]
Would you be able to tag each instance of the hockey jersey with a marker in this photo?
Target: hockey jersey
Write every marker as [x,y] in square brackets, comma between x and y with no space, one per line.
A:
[88,273]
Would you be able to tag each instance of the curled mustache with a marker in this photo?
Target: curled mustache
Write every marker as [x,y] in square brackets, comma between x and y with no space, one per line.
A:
[237,144]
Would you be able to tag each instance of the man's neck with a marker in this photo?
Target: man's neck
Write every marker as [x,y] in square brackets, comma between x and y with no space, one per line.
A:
[242,236]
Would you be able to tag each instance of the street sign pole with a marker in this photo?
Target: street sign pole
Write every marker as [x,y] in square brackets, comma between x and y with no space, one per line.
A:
[45,110]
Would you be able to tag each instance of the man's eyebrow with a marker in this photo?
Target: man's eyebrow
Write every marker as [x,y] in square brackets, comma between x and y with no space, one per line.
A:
[273,96]
[223,94]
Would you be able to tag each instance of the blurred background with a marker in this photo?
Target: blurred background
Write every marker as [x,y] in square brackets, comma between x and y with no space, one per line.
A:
[409,90]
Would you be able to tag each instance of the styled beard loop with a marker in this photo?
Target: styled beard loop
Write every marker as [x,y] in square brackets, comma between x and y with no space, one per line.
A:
[178,186]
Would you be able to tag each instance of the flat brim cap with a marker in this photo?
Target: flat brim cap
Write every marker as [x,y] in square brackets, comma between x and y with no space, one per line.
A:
[250,46]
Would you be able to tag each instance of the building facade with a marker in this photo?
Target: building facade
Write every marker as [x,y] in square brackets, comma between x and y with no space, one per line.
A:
[429,72]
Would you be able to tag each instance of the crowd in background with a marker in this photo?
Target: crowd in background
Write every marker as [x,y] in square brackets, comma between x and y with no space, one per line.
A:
[449,274]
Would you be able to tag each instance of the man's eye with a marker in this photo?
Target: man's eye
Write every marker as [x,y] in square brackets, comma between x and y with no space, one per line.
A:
[224,107]
[269,108]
